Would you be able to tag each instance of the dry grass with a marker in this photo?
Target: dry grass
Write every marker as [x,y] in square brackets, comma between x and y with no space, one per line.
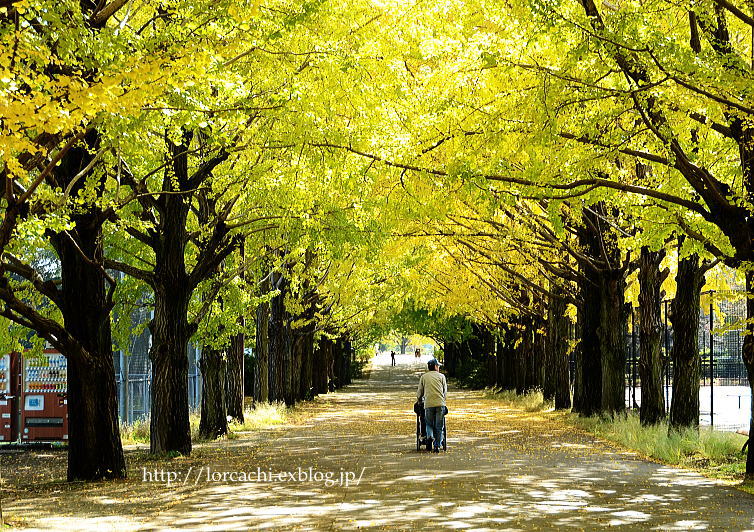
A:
[264,415]
[530,402]
[138,430]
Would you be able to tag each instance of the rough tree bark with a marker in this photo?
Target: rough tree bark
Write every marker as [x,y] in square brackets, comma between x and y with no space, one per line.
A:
[173,285]
[330,367]
[94,447]
[612,334]
[522,356]
[214,414]
[506,351]
[684,317]
[499,359]
[550,379]
[557,345]
[234,377]
[261,353]
[320,366]
[587,396]
[652,408]
[602,317]
[169,426]
[277,338]
[539,353]
[306,382]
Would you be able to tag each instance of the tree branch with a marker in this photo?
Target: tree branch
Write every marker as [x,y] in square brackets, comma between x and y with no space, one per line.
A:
[635,153]
[46,288]
[133,271]
[100,18]
[736,11]
[594,181]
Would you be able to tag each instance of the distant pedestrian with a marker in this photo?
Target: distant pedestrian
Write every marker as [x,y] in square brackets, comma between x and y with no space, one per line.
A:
[392,358]
[417,353]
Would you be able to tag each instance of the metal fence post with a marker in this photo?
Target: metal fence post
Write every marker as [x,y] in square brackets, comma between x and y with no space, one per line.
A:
[121,399]
[711,361]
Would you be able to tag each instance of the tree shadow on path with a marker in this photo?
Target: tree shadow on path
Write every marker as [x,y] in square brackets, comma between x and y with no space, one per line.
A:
[505,470]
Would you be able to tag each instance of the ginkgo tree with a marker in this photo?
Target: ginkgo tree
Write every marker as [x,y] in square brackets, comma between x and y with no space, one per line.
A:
[65,67]
[308,174]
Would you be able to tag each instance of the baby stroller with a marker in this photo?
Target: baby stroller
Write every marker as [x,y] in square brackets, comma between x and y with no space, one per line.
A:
[421,429]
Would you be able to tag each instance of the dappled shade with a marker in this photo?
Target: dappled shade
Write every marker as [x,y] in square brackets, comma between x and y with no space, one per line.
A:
[504,469]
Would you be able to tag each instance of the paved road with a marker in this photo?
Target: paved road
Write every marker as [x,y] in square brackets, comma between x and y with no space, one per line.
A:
[504,470]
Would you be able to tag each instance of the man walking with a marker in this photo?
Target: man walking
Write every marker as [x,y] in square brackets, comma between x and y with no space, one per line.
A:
[433,389]
[392,358]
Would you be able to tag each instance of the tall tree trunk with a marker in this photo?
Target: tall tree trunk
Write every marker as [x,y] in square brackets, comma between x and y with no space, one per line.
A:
[549,381]
[320,366]
[557,345]
[522,356]
[261,353]
[587,394]
[170,429]
[499,360]
[214,414]
[337,376]
[330,365]
[277,339]
[652,409]
[539,347]
[600,367]
[297,339]
[290,371]
[348,357]
[94,447]
[612,334]
[234,377]
[506,378]
[450,357]
[684,317]
[306,382]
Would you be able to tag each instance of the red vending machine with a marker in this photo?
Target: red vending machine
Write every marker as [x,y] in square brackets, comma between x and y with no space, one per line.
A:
[9,378]
[44,403]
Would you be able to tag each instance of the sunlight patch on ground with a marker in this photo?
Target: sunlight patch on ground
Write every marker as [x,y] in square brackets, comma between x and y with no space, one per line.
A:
[94,524]
[687,525]
[505,470]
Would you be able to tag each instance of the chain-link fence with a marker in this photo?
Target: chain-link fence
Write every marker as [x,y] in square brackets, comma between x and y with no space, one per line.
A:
[133,374]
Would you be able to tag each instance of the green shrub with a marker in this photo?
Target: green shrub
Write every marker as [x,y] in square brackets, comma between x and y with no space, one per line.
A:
[472,374]
[360,364]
